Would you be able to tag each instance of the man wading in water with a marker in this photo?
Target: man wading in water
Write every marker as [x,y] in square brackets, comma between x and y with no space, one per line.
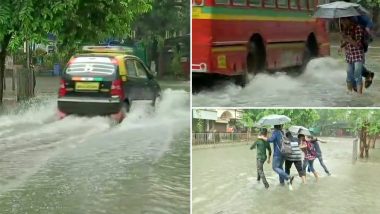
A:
[278,159]
[261,156]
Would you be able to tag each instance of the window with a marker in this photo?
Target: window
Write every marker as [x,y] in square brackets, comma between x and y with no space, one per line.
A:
[254,2]
[96,65]
[239,2]
[141,71]
[303,4]
[222,1]
[282,3]
[311,5]
[270,3]
[293,4]
[131,68]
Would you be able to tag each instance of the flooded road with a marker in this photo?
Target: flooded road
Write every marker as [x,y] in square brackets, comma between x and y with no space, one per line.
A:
[323,84]
[88,165]
[224,181]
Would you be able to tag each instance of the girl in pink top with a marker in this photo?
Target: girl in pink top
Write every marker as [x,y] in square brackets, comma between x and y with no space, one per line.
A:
[308,148]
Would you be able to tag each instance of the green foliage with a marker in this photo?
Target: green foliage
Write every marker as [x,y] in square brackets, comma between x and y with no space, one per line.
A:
[354,119]
[200,125]
[304,117]
[166,15]
[73,21]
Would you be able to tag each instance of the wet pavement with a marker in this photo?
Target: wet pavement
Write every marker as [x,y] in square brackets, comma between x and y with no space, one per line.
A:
[89,165]
[323,84]
[224,181]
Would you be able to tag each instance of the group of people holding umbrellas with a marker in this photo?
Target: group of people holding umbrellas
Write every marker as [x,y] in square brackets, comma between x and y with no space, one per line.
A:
[288,148]
[355,26]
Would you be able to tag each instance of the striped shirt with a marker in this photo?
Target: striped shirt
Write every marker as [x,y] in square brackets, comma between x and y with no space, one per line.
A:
[296,152]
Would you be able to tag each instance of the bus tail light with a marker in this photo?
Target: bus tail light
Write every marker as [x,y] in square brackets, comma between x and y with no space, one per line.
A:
[200,68]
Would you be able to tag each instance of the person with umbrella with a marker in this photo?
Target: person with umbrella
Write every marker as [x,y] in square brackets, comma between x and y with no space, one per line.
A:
[352,42]
[364,40]
[277,138]
[353,36]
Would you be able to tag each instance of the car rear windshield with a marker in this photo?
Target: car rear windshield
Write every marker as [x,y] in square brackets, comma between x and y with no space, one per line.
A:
[96,65]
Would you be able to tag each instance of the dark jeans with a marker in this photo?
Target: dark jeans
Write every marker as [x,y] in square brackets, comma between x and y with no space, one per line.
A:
[277,165]
[260,172]
[297,164]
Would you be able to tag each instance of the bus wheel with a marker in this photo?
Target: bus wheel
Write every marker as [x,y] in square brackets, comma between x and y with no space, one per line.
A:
[310,51]
[253,59]
[242,79]
[306,57]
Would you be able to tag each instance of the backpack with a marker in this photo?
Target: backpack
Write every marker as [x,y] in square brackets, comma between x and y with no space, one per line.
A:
[286,147]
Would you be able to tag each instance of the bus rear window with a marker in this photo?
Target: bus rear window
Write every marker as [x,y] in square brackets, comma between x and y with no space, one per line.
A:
[95,65]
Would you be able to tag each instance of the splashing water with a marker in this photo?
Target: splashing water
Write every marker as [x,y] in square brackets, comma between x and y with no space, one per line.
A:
[322,84]
[82,164]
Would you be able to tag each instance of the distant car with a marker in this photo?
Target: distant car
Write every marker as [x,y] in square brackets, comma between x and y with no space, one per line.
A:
[104,81]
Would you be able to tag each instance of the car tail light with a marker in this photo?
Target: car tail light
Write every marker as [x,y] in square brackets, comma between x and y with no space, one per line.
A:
[62,88]
[117,89]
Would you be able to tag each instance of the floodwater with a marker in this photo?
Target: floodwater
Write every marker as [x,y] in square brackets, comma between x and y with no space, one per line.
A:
[322,84]
[224,181]
[89,165]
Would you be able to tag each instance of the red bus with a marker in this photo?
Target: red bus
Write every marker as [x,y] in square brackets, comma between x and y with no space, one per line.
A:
[237,37]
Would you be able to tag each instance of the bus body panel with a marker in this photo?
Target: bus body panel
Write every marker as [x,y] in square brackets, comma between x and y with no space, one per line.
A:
[221,35]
